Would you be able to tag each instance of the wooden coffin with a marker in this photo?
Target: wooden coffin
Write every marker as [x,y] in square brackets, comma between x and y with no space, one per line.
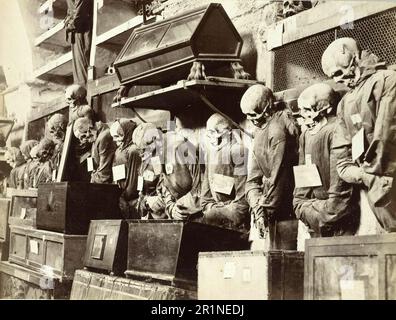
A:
[17,282]
[251,275]
[4,209]
[163,52]
[93,286]
[168,250]
[68,207]
[351,268]
[47,252]
[23,208]
[107,246]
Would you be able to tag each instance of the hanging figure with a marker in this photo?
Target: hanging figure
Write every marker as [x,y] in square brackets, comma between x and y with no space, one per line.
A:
[78,24]
[328,206]
[148,140]
[126,164]
[76,99]
[223,187]
[56,131]
[43,152]
[31,165]
[96,137]
[15,159]
[270,185]
[365,135]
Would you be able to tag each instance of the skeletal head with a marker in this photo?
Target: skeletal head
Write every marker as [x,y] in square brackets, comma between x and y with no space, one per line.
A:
[340,61]
[26,148]
[218,130]
[84,130]
[121,131]
[45,149]
[147,138]
[316,102]
[33,153]
[256,104]
[56,128]
[75,95]
[14,157]
[291,8]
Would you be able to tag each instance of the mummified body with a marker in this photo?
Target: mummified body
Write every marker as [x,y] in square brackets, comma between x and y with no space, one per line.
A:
[76,98]
[332,208]
[223,187]
[269,187]
[56,131]
[31,165]
[96,137]
[365,136]
[42,153]
[16,160]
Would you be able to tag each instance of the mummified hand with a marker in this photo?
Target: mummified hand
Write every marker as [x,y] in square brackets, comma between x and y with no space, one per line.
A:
[261,220]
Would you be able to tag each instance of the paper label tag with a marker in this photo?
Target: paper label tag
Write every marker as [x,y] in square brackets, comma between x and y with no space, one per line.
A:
[140,183]
[229,270]
[34,246]
[308,159]
[307,176]
[223,184]
[90,166]
[23,213]
[352,290]
[148,175]
[358,144]
[119,172]
[169,168]
[157,166]
[356,118]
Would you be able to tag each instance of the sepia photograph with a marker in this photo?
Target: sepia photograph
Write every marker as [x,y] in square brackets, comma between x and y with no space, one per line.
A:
[214,151]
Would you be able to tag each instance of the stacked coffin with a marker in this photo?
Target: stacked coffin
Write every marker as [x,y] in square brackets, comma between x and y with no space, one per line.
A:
[159,256]
[49,227]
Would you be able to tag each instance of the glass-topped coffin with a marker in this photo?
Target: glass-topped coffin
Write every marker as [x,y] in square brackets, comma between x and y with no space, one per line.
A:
[163,52]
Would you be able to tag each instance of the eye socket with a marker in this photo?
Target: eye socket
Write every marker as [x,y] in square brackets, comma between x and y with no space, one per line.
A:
[286,3]
[338,73]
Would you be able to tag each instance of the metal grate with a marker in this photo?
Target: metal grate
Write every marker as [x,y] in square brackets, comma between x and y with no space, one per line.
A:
[299,63]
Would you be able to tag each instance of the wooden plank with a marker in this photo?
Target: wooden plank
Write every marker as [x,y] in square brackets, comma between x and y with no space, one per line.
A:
[327,16]
[54,37]
[50,67]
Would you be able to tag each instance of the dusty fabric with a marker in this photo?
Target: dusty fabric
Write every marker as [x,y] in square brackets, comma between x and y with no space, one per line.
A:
[331,209]
[103,150]
[231,211]
[371,105]
[270,167]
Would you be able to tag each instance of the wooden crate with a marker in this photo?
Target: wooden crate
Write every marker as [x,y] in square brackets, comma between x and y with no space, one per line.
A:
[107,246]
[23,208]
[17,282]
[48,251]
[168,250]
[4,209]
[359,267]
[93,286]
[68,207]
[251,275]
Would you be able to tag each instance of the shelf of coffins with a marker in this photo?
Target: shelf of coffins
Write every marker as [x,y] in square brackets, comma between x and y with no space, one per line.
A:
[54,38]
[58,70]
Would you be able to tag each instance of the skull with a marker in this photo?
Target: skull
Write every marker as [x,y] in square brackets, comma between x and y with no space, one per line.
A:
[117,133]
[340,61]
[45,149]
[56,128]
[256,104]
[84,130]
[290,8]
[218,130]
[75,95]
[316,102]
[11,156]
[147,138]
[26,148]
[33,153]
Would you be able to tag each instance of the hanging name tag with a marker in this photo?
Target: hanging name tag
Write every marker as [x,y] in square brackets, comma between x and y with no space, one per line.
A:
[23,213]
[90,166]
[356,118]
[308,159]
[157,166]
[140,183]
[119,172]
[223,184]
[169,168]
[307,176]
[358,144]
[54,175]
[148,175]
[34,246]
